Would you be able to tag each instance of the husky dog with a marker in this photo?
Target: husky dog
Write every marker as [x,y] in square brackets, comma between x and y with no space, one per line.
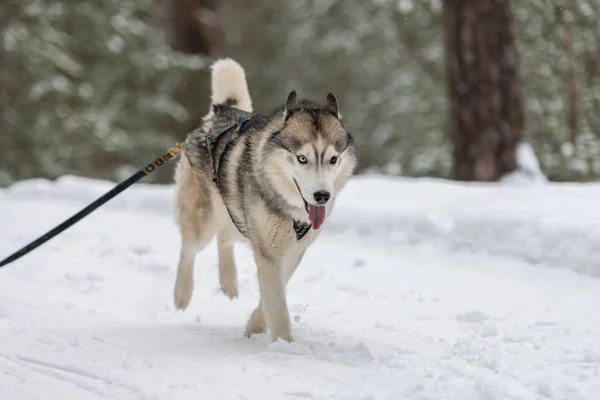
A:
[267,180]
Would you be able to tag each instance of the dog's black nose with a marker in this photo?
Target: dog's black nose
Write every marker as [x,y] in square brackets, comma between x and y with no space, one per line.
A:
[322,196]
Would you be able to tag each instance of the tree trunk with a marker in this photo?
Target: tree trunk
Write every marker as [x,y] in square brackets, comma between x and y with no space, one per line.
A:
[483,87]
[195,27]
[573,116]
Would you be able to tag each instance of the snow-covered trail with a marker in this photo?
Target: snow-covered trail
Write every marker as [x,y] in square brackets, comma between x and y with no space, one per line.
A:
[417,289]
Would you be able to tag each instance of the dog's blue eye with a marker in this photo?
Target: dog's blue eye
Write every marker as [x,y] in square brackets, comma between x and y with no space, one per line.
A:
[333,160]
[302,159]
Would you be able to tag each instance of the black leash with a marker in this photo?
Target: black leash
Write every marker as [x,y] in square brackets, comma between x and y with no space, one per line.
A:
[147,170]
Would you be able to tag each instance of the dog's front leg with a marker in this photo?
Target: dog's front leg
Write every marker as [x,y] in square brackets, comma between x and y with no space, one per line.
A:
[256,323]
[273,299]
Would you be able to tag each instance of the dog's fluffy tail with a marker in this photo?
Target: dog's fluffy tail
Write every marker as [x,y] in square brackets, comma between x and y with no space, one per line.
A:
[229,85]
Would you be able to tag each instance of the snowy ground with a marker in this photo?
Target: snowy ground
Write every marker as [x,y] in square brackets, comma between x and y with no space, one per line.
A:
[417,289]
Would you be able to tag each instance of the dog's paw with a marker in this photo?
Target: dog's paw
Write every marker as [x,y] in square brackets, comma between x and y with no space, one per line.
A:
[228,279]
[256,324]
[230,290]
[287,337]
[182,294]
[254,330]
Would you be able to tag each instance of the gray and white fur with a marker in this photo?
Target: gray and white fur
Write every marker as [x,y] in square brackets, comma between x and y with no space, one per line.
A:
[299,157]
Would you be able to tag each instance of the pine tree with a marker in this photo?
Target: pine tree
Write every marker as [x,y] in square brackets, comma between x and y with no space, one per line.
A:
[484,88]
[91,88]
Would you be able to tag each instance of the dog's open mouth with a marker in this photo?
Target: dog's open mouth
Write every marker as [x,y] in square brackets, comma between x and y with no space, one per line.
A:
[305,204]
[316,214]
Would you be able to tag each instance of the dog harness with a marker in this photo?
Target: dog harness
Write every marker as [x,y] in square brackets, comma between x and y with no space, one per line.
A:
[218,144]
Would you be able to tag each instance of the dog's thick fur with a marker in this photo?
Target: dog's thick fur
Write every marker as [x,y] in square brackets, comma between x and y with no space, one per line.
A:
[264,187]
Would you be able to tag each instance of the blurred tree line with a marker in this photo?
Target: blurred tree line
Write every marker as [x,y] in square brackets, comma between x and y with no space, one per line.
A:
[100,87]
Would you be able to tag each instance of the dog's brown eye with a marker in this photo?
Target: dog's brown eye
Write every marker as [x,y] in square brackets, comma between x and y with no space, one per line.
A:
[333,159]
[302,159]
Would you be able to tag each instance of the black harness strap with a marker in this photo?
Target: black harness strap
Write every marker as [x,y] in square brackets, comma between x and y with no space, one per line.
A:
[148,169]
[301,228]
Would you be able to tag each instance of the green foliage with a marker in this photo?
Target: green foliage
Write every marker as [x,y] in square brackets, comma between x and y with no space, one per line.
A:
[541,30]
[385,61]
[380,60]
[89,88]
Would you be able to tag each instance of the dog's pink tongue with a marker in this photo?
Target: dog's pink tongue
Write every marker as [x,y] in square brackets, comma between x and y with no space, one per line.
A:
[316,215]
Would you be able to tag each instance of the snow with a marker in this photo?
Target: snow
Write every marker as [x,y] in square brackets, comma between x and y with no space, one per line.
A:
[405,6]
[528,170]
[417,289]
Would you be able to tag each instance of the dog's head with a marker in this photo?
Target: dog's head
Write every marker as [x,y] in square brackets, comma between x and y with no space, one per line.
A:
[313,156]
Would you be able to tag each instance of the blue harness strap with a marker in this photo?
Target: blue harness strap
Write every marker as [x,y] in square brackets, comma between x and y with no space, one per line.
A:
[301,228]
[211,142]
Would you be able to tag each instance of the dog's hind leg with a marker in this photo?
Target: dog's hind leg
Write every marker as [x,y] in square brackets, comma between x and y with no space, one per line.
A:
[227,268]
[184,283]
[197,227]
[191,245]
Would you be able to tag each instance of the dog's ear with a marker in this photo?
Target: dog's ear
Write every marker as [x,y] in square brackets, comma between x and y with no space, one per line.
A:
[292,100]
[291,103]
[332,105]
